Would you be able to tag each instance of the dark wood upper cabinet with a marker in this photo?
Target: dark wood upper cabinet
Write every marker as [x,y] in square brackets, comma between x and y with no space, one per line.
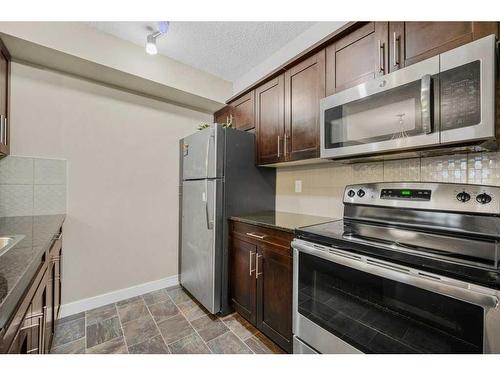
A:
[4,100]
[222,116]
[411,42]
[304,87]
[357,57]
[242,278]
[243,112]
[270,125]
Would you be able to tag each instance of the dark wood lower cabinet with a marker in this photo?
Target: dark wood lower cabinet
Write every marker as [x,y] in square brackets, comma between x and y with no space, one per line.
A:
[261,280]
[31,328]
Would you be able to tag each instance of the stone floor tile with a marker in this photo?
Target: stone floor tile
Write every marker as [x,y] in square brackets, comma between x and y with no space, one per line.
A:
[154,345]
[228,343]
[113,346]
[155,297]
[192,310]
[209,327]
[103,331]
[132,310]
[178,295]
[260,344]
[71,317]
[128,300]
[72,347]
[101,313]
[241,328]
[163,310]
[175,328]
[69,331]
[139,330]
[192,344]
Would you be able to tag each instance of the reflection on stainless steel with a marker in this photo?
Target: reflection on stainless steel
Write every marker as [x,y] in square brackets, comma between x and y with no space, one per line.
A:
[415,255]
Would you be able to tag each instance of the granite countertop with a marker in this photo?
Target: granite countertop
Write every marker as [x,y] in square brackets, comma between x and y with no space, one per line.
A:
[19,265]
[285,221]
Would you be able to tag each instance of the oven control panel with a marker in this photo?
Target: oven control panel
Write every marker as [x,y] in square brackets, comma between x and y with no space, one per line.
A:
[406,194]
[427,195]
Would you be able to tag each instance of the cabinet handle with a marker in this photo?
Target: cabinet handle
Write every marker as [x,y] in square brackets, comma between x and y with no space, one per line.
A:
[260,237]
[395,50]
[2,130]
[250,268]
[41,339]
[257,273]
[285,149]
[380,56]
[278,146]
[57,237]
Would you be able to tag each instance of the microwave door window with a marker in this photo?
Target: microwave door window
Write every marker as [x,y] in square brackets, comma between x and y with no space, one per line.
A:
[389,115]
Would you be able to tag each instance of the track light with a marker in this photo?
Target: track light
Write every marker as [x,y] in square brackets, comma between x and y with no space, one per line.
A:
[151,47]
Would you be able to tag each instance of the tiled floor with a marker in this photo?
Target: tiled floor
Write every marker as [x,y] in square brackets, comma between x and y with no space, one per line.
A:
[161,322]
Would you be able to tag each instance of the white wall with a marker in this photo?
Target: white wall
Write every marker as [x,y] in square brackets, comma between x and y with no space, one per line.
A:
[303,41]
[122,175]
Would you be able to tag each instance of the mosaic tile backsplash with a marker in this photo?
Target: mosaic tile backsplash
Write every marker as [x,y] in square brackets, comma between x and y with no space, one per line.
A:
[323,185]
[32,186]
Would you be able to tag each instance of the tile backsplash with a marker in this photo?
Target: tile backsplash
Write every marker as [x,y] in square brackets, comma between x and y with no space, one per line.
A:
[32,186]
[323,185]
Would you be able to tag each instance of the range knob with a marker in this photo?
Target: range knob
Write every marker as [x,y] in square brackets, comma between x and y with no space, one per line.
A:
[483,198]
[351,193]
[361,193]
[463,196]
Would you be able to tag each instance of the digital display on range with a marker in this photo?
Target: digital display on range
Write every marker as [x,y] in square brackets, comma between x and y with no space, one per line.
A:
[409,194]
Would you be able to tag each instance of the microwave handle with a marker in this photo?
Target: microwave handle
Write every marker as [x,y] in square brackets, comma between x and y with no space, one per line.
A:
[425,102]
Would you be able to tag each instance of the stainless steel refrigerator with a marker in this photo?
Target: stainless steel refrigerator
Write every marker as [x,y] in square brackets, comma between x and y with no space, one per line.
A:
[219,179]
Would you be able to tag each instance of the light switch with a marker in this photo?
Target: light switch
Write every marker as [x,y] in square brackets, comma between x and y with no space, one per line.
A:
[298,186]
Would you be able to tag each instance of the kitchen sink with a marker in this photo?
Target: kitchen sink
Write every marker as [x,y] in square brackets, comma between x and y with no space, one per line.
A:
[7,242]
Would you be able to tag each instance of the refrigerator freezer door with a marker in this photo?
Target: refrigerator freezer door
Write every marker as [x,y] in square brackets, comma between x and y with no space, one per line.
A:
[200,236]
[202,154]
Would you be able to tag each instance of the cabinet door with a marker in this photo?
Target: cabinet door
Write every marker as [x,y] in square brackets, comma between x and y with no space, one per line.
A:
[358,57]
[57,285]
[270,115]
[222,116]
[242,278]
[4,99]
[274,295]
[243,112]
[304,87]
[39,313]
[411,42]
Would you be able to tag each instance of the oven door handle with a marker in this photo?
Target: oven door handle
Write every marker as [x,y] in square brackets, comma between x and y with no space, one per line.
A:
[421,279]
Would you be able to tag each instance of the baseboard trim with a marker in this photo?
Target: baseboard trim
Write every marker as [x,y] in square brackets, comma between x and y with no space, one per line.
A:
[117,295]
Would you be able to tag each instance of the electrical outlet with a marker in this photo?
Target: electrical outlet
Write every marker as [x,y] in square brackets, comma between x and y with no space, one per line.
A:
[298,186]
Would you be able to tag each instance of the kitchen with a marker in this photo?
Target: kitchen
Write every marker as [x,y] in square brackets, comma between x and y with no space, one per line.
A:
[330,190]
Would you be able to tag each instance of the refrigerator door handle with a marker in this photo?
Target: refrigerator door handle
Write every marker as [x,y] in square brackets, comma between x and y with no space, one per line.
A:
[209,223]
[207,155]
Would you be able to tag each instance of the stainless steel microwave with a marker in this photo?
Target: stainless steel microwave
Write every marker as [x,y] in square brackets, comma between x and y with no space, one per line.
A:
[448,99]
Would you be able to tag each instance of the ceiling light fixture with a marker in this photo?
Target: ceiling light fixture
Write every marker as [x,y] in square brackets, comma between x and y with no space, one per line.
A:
[151,47]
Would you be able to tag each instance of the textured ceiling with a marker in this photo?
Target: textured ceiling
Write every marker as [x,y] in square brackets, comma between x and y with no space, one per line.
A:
[224,49]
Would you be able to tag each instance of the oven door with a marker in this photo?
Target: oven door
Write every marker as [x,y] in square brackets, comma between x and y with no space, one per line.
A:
[389,113]
[348,303]
[467,92]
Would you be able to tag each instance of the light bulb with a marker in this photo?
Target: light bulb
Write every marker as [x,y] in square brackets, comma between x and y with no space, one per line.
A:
[151,45]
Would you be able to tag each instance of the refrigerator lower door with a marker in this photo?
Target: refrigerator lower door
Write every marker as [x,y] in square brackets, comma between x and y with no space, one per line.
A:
[201,236]
[203,154]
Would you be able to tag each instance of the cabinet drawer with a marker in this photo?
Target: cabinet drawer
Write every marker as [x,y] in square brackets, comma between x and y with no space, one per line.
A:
[279,240]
